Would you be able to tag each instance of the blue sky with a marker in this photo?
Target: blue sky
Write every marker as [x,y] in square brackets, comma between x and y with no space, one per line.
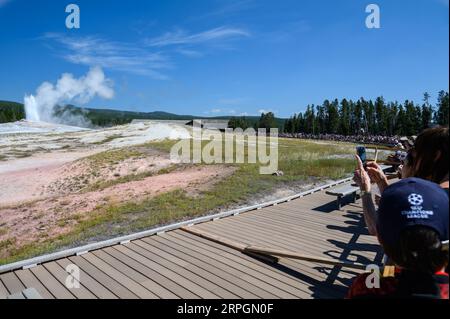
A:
[223,57]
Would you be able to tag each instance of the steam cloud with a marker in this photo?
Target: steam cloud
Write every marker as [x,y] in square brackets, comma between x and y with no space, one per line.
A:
[42,106]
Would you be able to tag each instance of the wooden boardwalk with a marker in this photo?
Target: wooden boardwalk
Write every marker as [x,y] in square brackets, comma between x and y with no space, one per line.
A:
[177,264]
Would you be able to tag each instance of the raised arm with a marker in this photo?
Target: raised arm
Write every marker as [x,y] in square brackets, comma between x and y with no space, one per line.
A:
[362,179]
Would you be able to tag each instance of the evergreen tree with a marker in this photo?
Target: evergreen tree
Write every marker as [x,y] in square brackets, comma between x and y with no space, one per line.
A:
[332,124]
[380,115]
[267,121]
[321,118]
[427,112]
[441,116]
[344,115]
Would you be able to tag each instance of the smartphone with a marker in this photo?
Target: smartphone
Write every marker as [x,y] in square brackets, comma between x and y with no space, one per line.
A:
[361,151]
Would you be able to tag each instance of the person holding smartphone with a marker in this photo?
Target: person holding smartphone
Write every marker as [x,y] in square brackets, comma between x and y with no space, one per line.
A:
[427,159]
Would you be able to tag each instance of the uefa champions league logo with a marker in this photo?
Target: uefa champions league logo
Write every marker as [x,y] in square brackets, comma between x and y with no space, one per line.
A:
[415,199]
[416,211]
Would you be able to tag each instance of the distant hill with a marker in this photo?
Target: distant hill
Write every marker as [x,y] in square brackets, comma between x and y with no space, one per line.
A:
[12,111]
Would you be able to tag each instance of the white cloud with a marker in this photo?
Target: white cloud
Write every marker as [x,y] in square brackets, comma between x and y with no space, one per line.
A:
[151,57]
[181,37]
[94,51]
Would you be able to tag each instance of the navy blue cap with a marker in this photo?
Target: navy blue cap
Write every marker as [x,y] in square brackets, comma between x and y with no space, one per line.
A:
[409,202]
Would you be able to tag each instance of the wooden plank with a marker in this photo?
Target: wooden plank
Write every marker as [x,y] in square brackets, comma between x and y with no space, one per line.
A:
[206,289]
[337,231]
[291,230]
[90,283]
[172,286]
[311,215]
[241,287]
[308,243]
[246,235]
[148,283]
[239,261]
[288,234]
[314,218]
[125,281]
[188,270]
[223,241]
[296,255]
[51,284]
[107,281]
[224,267]
[313,222]
[3,291]
[30,281]
[12,283]
[193,287]
[302,267]
[296,237]
[252,267]
[274,251]
[255,238]
[310,205]
[243,235]
[206,271]
[302,237]
[296,222]
[61,275]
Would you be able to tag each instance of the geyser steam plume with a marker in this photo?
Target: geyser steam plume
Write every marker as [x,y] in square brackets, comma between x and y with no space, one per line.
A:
[41,107]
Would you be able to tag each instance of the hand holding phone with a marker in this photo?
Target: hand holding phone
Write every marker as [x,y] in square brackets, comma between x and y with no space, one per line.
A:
[361,151]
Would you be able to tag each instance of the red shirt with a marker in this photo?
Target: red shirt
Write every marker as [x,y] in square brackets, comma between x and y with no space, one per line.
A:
[401,286]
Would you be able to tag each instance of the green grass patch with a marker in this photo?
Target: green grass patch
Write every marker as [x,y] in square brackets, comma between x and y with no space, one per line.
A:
[111,157]
[128,178]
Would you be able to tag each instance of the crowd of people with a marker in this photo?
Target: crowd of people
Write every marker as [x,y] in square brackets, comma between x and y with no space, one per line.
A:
[392,141]
[411,220]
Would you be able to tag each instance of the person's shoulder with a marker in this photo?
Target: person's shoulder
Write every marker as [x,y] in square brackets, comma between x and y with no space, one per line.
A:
[359,287]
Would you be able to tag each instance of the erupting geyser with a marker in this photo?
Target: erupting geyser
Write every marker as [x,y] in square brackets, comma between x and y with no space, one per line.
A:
[41,107]
[31,109]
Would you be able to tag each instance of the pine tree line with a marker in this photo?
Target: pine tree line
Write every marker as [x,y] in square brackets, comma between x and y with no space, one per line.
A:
[348,117]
